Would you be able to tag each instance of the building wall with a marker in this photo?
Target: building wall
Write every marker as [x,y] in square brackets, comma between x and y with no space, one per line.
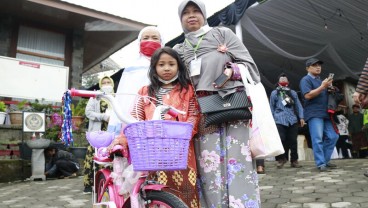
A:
[76,65]
[5,35]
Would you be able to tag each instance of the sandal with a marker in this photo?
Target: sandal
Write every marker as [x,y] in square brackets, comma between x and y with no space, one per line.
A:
[260,170]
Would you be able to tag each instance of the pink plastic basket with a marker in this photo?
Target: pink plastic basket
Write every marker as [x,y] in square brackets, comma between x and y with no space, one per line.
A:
[159,144]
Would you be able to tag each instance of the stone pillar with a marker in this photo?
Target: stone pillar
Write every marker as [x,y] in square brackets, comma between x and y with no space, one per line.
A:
[5,35]
[76,67]
[38,164]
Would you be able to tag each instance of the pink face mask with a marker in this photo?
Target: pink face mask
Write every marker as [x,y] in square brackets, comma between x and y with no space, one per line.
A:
[147,48]
[284,84]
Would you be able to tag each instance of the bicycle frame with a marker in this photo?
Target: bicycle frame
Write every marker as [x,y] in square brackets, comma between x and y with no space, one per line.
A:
[114,196]
[141,186]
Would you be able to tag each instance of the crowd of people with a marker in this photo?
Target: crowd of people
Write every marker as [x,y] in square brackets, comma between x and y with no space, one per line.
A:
[221,171]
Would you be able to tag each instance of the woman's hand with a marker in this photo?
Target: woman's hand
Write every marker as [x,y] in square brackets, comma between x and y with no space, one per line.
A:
[223,78]
[228,72]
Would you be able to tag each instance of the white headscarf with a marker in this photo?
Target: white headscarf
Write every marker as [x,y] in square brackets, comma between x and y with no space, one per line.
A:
[205,28]
[150,28]
[133,78]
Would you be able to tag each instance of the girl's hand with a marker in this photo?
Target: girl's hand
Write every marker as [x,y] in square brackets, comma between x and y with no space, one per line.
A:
[118,140]
[113,143]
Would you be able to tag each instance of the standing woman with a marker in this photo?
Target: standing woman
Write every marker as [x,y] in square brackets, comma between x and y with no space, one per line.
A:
[135,75]
[98,112]
[227,171]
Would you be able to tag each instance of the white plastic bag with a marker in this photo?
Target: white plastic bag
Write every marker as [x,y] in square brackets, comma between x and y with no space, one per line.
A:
[264,139]
[119,164]
[130,179]
[335,154]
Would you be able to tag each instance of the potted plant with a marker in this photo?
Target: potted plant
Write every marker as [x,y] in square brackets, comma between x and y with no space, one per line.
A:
[53,128]
[38,106]
[78,112]
[2,112]
[16,114]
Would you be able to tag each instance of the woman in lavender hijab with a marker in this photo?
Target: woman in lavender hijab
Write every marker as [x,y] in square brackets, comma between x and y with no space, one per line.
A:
[227,171]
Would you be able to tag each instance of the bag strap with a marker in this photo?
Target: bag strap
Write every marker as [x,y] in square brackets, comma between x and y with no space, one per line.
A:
[245,74]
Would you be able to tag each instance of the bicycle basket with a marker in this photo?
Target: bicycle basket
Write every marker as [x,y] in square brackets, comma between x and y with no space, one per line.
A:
[158,144]
[99,138]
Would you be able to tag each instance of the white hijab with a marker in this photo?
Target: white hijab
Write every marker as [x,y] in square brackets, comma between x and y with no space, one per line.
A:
[133,78]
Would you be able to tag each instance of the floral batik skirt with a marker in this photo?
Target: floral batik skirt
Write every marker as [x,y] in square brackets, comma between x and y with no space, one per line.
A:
[182,183]
[227,171]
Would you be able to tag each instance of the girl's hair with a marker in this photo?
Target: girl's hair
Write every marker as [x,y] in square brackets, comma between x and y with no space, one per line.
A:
[182,79]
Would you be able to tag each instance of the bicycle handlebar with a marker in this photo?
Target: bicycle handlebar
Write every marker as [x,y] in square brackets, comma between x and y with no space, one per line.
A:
[84,93]
[124,118]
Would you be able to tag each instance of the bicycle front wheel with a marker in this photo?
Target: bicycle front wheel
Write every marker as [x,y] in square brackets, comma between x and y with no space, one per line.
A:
[105,192]
[163,200]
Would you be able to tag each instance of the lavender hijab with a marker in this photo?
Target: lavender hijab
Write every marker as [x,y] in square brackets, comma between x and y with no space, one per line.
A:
[212,60]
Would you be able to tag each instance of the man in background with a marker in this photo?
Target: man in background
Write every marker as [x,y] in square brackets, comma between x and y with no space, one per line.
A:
[287,112]
[315,94]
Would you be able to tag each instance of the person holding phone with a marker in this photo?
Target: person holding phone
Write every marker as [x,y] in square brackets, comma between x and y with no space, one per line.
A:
[315,96]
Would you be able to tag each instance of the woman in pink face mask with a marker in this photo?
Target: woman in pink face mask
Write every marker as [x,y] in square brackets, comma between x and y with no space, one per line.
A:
[150,41]
[135,74]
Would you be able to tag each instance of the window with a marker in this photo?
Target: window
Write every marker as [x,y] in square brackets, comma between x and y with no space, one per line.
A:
[41,46]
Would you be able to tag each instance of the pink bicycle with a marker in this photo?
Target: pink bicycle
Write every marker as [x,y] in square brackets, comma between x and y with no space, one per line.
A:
[153,145]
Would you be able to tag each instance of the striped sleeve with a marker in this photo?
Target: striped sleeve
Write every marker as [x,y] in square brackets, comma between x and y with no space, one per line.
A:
[362,86]
[194,115]
[138,110]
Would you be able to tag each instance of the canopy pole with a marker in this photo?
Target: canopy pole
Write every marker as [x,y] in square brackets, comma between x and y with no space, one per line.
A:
[238,31]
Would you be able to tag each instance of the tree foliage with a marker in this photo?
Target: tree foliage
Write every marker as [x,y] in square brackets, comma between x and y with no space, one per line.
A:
[90,80]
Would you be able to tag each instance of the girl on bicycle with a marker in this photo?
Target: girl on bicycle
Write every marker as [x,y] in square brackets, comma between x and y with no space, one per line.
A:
[170,85]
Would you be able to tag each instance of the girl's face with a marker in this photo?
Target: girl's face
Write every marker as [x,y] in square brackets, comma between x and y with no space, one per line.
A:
[166,67]
[192,18]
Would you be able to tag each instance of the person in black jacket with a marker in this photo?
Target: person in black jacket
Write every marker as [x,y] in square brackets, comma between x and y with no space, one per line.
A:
[62,164]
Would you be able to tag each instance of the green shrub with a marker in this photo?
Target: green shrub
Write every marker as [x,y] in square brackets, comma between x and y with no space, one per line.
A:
[2,106]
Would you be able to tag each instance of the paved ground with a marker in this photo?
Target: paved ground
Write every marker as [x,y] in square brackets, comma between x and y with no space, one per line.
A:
[285,188]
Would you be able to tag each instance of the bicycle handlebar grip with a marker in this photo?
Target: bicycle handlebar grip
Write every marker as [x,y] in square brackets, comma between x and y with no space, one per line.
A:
[83,93]
[173,113]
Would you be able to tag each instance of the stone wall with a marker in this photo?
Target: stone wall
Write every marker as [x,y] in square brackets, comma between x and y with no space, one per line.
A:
[14,170]
[10,137]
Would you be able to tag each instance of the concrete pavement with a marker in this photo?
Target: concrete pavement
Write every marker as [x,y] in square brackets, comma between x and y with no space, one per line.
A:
[280,188]
[306,187]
